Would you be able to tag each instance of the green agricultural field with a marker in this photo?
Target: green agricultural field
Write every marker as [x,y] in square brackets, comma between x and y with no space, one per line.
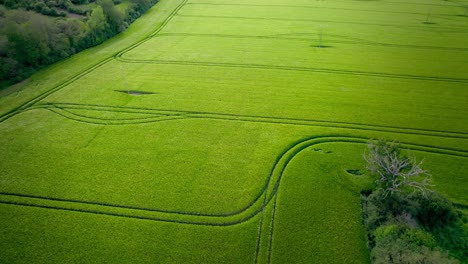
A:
[214,131]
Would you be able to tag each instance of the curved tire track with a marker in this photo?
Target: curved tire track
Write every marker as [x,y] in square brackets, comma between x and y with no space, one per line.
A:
[61,108]
[305,144]
[268,193]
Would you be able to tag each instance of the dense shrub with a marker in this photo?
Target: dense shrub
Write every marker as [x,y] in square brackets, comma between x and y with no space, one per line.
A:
[405,252]
[413,228]
[380,208]
[434,210]
[389,231]
[453,237]
[419,237]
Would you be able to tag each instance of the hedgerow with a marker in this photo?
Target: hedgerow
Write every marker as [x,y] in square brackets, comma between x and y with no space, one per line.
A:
[412,227]
[33,36]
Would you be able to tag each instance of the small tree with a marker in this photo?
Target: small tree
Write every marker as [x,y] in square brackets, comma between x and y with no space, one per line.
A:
[395,172]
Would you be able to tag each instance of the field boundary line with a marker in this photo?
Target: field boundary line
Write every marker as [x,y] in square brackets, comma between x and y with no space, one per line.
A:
[152,34]
[299,69]
[56,88]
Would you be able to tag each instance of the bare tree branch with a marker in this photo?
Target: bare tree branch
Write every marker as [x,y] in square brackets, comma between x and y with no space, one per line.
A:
[395,172]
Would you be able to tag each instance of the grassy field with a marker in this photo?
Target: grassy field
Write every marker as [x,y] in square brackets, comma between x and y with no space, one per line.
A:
[220,132]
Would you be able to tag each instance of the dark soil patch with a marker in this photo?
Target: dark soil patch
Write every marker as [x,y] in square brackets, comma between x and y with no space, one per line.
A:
[322,46]
[355,172]
[134,92]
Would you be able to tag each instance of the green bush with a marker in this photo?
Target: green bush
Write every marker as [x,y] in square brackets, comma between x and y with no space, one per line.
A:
[401,251]
[392,231]
[453,238]
[419,237]
[413,228]
[379,208]
[434,210]
[412,236]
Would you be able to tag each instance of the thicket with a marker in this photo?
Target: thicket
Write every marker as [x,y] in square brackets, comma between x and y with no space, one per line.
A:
[406,226]
[36,33]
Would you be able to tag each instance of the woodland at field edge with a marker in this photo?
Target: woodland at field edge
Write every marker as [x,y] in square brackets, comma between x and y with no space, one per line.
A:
[36,33]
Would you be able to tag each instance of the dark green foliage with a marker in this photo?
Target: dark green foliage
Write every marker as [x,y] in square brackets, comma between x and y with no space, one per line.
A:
[400,250]
[97,25]
[29,40]
[10,68]
[74,29]
[379,208]
[138,7]
[81,2]
[414,228]
[437,214]
[142,5]
[453,238]
[419,237]
[2,11]
[434,210]
[115,19]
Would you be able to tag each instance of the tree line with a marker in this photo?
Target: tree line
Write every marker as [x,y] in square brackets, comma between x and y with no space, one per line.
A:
[32,35]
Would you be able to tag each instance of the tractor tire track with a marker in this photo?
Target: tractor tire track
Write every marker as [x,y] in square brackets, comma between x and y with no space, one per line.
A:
[84,72]
[269,190]
[350,41]
[269,193]
[246,118]
[312,7]
[420,26]
[42,96]
[299,69]
[227,222]
[307,143]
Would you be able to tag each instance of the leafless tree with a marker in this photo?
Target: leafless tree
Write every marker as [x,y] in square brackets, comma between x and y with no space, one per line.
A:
[395,172]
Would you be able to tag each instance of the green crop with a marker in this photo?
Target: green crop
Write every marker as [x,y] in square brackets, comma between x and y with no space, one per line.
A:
[221,132]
